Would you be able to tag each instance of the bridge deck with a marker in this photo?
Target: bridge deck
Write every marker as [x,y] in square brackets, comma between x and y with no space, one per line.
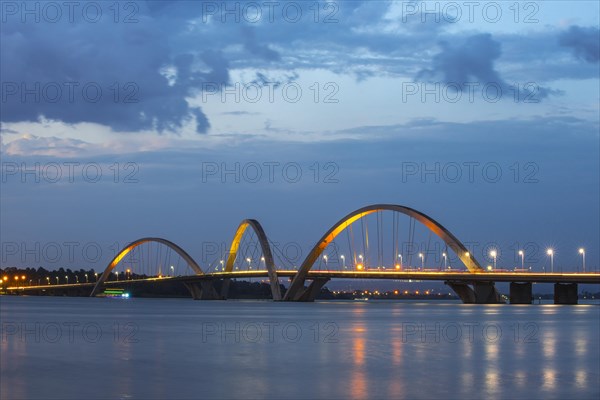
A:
[454,276]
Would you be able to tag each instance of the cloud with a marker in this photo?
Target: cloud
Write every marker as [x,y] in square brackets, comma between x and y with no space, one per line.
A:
[148,71]
[584,42]
[470,61]
[32,145]
[105,73]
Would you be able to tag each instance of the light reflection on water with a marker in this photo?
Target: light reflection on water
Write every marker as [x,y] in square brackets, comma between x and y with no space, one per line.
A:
[188,349]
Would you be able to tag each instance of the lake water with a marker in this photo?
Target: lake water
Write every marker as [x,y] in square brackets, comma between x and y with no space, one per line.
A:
[87,348]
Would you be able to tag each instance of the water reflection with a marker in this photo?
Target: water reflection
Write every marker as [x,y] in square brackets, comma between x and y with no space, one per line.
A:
[358,380]
[549,378]
[371,355]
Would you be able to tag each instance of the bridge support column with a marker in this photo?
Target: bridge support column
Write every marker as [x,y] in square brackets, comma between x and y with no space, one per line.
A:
[225,288]
[464,291]
[565,293]
[312,291]
[203,290]
[480,293]
[520,293]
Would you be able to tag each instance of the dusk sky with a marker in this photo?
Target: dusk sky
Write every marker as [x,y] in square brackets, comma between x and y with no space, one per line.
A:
[483,115]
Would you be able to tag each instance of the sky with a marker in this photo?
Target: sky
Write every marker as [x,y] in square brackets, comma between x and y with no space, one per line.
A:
[178,119]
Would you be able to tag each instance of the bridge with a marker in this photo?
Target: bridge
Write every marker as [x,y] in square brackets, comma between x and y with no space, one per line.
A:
[251,255]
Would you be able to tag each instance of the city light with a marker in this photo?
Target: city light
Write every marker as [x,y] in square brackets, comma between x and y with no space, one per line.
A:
[550,253]
[582,252]
[522,254]
[494,255]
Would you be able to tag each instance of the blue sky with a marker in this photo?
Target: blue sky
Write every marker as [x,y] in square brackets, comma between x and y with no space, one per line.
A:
[363,92]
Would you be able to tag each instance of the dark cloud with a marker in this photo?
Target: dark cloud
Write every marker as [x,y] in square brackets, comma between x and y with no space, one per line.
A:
[113,70]
[164,58]
[584,42]
[251,44]
[471,61]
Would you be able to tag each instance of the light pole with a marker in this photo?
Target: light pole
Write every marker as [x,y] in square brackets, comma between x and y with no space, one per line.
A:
[222,262]
[117,274]
[550,252]
[57,281]
[86,278]
[48,279]
[343,261]
[422,257]
[522,254]
[262,259]
[76,278]
[67,278]
[172,271]
[325,259]
[494,255]
[360,264]
[582,252]
[445,256]
[95,277]
[249,260]
[399,266]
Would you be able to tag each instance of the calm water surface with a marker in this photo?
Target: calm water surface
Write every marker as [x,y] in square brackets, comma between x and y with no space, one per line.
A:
[74,348]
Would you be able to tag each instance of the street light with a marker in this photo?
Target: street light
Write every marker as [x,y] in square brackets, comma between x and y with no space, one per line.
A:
[325,259]
[445,256]
[494,255]
[222,262]
[76,278]
[249,260]
[360,264]
[57,281]
[48,279]
[422,257]
[399,266]
[95,276]
[522,254]
[67,278]
[86,278]
[550,252]
[582,252]
[343,261]
[172,270]
[117,274]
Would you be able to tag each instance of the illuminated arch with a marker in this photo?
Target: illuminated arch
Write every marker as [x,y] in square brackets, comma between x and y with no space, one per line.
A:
[434,226]
[266,250]
[135,244]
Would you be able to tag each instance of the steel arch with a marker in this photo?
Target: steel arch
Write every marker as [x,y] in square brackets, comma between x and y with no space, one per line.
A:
[266,249]
[191,262]
[298,282]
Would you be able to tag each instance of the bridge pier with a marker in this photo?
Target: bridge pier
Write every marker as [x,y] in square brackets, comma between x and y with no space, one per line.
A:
[203,290]
[311,292]
[480,293]
[565,293]
[521,293]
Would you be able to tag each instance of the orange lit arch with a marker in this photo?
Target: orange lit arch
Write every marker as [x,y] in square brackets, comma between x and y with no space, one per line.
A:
[461,251]
[190,261]
[266,250]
